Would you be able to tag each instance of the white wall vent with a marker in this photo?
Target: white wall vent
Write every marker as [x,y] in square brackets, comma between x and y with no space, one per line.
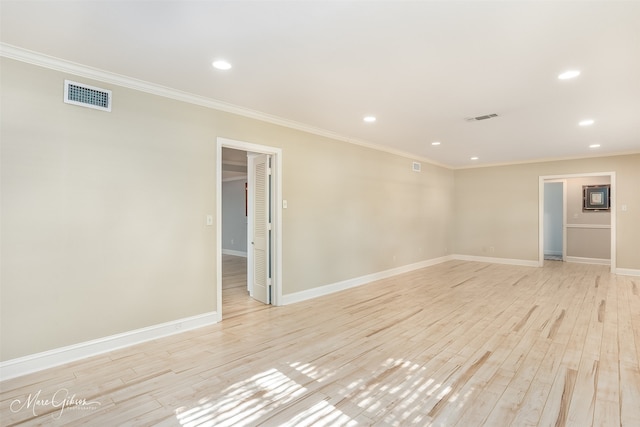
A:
[87,96]
[416,167]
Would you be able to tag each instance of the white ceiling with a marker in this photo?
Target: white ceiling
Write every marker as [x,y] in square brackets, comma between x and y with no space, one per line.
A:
[420,67]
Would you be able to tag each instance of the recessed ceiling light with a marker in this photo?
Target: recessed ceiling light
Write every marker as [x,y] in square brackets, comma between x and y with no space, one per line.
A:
[435,143]
[588,122]
[474,158]
[594,146]
[221,64]
[369,119]
[570,74]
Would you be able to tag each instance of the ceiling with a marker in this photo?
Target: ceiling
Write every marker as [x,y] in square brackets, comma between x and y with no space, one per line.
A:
[422,68]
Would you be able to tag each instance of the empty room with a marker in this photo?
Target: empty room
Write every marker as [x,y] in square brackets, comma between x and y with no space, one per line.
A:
[345,213]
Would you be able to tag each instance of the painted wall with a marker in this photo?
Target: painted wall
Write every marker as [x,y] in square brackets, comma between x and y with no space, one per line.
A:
[553,213]
[234,220]
[104,214]
[498,207]
[584,241]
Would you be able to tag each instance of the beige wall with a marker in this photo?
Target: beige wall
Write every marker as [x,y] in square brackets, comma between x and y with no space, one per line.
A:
[582,241]
[351,211]
[498,206]
[103,214]
[575,214]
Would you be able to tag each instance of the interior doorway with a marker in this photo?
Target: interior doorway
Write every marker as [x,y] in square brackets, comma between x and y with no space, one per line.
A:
[236,298]
[554,220]
[240,263]
[588,232]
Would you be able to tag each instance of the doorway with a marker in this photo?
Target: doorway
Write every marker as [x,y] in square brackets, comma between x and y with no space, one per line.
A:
[554,220]
[272,263]
[607,233]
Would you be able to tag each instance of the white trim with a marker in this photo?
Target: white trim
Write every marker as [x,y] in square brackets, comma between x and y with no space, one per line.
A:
[57,64]
[582,260]
[276,154]
[358,281]
[35,58]
[628,271]
[548,160]
[494,260]
[588,226]
[59,356]
[547,178]
[363,280]
[234,253]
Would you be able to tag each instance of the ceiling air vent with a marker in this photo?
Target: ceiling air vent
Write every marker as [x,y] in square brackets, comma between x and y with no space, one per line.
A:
[87,96]
[478,118]
[416,167]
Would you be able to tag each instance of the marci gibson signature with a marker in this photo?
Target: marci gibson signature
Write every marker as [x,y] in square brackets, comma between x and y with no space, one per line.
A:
[60,400]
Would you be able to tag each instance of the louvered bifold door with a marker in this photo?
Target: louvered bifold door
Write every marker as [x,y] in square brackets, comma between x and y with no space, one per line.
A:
[261,230]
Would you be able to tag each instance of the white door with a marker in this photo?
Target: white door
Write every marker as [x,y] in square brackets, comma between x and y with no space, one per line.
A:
[261,229]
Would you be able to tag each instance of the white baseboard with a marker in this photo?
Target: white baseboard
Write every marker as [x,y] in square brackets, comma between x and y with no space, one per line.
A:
[493,260]
[234,253]
[582,260]
[59,356]
[357,281]
[627,271]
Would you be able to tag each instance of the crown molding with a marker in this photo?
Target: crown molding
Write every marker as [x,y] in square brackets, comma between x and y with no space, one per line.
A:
[549,159]
[57,64]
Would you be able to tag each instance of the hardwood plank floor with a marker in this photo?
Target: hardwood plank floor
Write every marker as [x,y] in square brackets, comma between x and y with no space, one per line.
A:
[235,297]
[456,344]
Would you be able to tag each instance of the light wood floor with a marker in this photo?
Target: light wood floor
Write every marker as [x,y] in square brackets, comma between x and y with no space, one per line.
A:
[457,344]
[235,297]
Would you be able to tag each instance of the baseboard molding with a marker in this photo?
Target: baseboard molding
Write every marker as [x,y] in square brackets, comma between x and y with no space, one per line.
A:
[493,260]
[627,272]
[234,253]
[582,260]
[556,253]
[358,281]
[59,356]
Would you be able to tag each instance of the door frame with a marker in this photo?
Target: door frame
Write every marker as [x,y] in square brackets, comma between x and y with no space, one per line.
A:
[551,178]
[564,216]
[276,249]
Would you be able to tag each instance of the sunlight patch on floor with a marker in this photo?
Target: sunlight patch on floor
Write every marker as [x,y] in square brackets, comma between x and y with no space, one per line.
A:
[401,390]
[243,402]
[321,414]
